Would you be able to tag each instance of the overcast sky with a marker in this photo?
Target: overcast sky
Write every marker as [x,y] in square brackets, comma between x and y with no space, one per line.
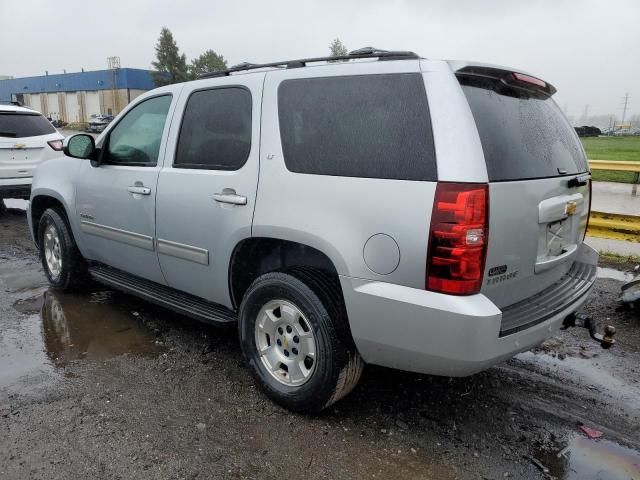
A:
[589,49]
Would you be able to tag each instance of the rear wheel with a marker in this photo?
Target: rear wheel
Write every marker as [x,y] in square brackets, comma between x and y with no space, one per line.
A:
[3,207]
[294,343]
[63,264]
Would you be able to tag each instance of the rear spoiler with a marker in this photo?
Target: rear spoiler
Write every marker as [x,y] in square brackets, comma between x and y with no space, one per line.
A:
[507,76]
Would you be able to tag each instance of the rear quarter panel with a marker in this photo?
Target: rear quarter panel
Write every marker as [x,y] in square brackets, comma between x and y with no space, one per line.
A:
[337,215]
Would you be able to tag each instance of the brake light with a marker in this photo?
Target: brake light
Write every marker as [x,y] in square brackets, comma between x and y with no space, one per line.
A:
[521,77]
[586,227]
[458,238]
[55,144]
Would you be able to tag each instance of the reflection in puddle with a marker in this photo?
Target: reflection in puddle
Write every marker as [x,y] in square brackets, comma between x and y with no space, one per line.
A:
[91,327]
[60,328]
[586,459]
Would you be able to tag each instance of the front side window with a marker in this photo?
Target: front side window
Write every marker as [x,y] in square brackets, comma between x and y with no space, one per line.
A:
[216,130]
[136,139]
[370,126]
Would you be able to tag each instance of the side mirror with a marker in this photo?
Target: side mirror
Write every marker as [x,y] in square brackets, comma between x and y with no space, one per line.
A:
[79,146]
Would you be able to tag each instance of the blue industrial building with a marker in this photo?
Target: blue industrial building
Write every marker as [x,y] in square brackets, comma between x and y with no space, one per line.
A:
[74,97]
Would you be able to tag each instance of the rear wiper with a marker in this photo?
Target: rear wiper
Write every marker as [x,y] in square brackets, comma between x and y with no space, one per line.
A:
[579,181]
[8,134]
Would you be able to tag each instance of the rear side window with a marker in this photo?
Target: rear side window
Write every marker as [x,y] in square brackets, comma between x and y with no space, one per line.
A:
[372,126]
[18,125]
[216,130]
[524,134]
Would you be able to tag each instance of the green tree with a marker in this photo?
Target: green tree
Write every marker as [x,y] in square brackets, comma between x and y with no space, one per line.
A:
[337,48]
[170,66]
[207,62]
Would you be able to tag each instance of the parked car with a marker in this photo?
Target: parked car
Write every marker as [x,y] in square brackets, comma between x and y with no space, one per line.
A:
[26,140]
[417,214]
[99,122]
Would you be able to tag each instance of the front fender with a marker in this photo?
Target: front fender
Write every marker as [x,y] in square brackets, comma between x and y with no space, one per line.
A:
[55,179]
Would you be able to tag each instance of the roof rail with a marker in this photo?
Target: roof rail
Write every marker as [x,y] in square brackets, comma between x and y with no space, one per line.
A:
[366,52]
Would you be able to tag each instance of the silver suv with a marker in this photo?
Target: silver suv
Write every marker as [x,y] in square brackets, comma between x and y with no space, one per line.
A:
[374,208]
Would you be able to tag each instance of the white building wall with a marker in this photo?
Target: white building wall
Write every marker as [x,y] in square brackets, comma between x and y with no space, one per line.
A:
[93,104]
[72,107]
[52,106]
[34,102]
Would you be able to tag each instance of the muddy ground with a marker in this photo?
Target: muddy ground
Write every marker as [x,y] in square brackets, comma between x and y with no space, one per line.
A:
[103,385]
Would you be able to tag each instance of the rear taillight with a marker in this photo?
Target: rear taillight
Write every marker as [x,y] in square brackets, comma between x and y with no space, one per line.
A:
[55,144]
[458,238]
[586,226]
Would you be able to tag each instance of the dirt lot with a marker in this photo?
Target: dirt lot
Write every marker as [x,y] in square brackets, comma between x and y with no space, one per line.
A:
[103,385]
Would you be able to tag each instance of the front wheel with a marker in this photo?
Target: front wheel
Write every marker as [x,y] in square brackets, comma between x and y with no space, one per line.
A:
[63,264]
[295,342]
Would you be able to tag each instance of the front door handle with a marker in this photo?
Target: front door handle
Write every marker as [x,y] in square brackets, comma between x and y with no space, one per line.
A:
[230,197]
[139,190]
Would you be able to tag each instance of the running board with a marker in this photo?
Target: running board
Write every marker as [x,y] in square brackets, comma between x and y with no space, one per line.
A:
[162,295]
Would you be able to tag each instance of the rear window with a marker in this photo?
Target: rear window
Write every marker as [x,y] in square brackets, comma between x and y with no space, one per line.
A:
[523,133]
[18,125]
[372,126]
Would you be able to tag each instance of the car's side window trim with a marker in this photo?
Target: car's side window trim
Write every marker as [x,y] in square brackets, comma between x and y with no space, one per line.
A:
[200,166]
[105,143]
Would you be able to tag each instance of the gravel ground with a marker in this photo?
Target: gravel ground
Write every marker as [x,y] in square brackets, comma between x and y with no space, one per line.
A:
[103,385]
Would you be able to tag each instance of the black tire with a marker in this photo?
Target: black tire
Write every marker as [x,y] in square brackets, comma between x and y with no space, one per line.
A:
[73,274]
[3,207]
[338,365]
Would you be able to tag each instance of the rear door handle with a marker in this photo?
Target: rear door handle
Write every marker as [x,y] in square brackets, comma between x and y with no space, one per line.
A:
[139,190]
[230,198]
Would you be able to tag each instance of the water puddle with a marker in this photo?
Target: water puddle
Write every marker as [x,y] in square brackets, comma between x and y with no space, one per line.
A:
[23,276]
[60,328]
[612,273]
[593,372]
[586,459]
[91,327]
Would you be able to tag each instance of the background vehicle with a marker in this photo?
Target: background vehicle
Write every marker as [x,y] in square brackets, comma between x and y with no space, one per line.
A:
[26,140]
[99,122]
[417,214]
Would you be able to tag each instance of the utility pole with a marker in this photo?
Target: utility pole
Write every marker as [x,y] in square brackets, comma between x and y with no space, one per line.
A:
[625,104]
[114,64]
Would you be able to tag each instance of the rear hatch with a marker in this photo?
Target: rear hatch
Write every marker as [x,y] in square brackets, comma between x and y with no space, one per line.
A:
[539,186]
[23,143]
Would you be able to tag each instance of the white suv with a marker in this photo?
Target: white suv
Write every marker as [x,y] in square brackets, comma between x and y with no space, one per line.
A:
[26,139]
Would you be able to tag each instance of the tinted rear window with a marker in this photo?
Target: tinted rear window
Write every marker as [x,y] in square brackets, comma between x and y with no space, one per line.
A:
[18,125]
[373,126]
[523,134]
[216,130]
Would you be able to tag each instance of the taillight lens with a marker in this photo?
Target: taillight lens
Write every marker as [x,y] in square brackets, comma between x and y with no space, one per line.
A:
[458,238]
[586,225]
[56,145]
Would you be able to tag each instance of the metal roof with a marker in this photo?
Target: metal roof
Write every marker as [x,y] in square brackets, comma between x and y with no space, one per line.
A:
[134,78]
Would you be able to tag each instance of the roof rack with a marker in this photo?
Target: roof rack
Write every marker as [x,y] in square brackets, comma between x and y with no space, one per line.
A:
[366,52]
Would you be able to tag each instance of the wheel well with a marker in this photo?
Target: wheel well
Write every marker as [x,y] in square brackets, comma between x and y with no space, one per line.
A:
[38,205]
[255,256]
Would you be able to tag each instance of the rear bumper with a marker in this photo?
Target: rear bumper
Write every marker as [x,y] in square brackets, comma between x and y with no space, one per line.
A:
[427,332]
[15,188]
